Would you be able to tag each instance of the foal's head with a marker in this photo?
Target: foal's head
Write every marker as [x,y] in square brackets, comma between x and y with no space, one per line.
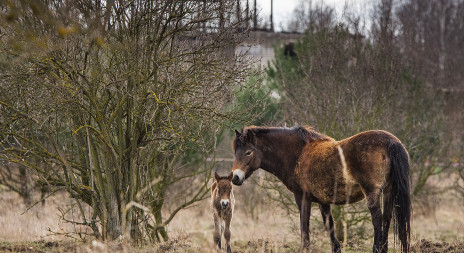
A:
[247,155]
[224,188]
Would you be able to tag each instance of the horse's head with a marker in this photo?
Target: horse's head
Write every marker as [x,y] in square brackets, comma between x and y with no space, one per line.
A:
[247,155]
[224,188]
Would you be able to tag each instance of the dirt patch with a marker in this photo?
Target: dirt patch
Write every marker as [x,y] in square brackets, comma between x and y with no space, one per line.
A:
[33,247]
[425,246]
[265,246]
[176,246]
[18,248]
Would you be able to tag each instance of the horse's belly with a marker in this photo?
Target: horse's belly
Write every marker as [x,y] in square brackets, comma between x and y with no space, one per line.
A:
[350,194]
[343,194]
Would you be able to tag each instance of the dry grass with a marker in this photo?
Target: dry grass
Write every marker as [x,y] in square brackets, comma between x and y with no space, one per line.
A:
[192,229]
[18,225]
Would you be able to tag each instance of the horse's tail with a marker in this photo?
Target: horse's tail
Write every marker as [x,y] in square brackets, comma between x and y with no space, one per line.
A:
[400,194]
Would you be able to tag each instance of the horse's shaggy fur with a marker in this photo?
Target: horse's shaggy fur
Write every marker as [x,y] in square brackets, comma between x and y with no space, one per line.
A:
[222,205]
[317,168]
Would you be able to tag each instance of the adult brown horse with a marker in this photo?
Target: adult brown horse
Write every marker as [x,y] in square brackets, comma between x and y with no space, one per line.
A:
[316,168]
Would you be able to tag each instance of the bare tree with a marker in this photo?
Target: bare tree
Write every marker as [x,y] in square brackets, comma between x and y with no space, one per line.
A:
[309,17]
[431,34]
[117,102]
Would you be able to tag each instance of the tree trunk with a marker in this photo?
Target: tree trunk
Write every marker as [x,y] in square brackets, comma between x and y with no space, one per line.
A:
[159,219]
[25,190]
[114,226]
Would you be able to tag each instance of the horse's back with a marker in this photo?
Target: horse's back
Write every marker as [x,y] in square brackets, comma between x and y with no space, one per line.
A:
[367,157]
[370,138]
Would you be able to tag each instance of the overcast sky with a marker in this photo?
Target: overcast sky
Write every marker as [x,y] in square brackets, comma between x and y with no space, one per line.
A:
[284,8]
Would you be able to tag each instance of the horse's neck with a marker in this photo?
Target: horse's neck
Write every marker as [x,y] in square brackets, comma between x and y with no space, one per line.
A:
[281,162]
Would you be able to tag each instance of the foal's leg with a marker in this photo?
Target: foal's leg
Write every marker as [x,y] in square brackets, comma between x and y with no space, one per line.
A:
[217,232]
[387,215]
[227,233]
[329,226]
[373,203]
[304,204]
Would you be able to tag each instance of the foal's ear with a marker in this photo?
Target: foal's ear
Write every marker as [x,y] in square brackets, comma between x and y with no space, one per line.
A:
[216,176]
[237,133]
[230,176]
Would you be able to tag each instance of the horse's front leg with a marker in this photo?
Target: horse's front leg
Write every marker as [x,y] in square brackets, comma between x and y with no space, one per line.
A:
[329,226]
[217,232]
[304,204]
[227,233]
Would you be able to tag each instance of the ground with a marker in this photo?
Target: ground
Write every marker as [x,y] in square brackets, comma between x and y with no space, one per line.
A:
[186,245]
[269,230]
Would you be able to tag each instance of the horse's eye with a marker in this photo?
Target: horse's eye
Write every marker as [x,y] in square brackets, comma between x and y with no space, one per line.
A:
[248,153]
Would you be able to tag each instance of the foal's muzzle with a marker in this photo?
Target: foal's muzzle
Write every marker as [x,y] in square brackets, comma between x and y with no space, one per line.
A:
[224,204]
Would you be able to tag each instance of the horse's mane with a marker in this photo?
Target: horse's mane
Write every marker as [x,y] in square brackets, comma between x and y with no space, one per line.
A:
[306,133]
[309,133]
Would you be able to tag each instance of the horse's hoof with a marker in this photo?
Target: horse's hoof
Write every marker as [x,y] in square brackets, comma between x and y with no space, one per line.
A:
[337,248]
[304,250]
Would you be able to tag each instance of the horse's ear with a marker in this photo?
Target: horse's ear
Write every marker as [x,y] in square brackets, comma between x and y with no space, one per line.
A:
[237,133]
[244,135]
[230,176]
[216,176]
[249,135]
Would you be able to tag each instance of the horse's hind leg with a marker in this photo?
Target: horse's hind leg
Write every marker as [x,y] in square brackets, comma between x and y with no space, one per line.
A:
[227,234]
[386,219]
[217,232]
[329,226]
[373,203]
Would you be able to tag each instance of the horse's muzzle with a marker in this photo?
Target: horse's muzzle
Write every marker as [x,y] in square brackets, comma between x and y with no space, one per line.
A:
[236,180]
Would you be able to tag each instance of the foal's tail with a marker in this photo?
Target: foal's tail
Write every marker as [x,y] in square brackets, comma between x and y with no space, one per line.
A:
[400,194]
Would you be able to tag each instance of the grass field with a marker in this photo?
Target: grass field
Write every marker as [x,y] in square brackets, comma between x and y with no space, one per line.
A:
[191,231]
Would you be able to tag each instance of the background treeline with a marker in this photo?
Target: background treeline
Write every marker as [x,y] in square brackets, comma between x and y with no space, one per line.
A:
[402,74]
